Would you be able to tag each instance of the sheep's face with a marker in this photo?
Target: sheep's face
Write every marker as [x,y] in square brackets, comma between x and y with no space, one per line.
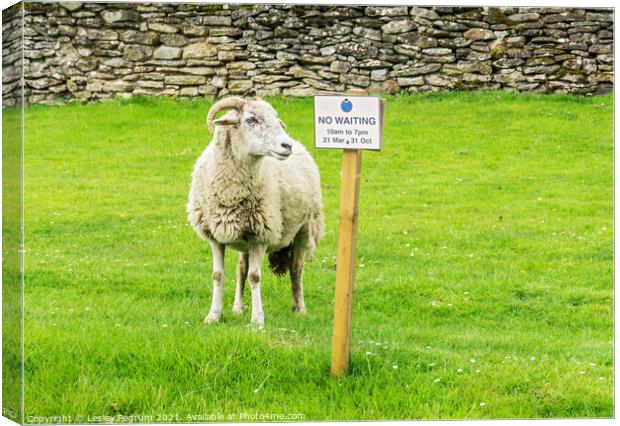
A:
[262,131]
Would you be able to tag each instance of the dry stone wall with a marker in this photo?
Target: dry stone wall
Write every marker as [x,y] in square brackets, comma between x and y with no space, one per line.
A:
[90,51]
[12,48]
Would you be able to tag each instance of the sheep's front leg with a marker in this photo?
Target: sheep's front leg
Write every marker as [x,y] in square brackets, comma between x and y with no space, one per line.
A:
[297,271]
[242,275]
[255,263]
[215,313]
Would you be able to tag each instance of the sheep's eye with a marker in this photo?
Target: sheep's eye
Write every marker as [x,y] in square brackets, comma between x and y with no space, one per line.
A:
[251,121]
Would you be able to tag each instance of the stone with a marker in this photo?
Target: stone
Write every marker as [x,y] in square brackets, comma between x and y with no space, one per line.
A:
[328,75]
[418,40]
[476,56]
[139,37]
[150,84]
[355,79]
[541,69]
[327,51]
[450,26]
[474,67]
[514,41]
[162,28]
[268,79]
[340,67]
[193,30]
[379,74]
[207,90]
[86,64]
[589,66]
[41,83]
[438,80]
[605,58]
[476,78]
[511,77]
[437,51]
[167,52]
[198,70]
[66,30]
[189,91]
[372,64]
[454,43]
[117,63]
[199,50]
[72,86]
[71,6]
[540,60]
[121,15]
[226,55]
[600,48]
[218,82]
[408,50]
[425,13]
[281,32]
[312,59]
[318,84]
[240,86]
[225,31]
[101,34]
[479,34]
[602,17]
[508,62]
[368,33]
[137,53]
[175,40]
[410,81]
[116,86]
[398,27]
[185,80]
[524,17]
[388,86]
[386,11]
[94,86]
[216,20]
[241,65]
[419,70]
[299,72]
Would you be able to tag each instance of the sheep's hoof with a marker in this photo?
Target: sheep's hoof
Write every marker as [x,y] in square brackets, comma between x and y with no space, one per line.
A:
[299,310]
[258,320]
[213,317]
[237,309]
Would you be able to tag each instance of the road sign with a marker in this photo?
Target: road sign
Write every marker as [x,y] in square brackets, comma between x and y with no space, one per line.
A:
[348,122]
[351,122]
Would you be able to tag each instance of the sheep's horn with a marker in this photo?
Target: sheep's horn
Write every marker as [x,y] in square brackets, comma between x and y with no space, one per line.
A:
[234,102]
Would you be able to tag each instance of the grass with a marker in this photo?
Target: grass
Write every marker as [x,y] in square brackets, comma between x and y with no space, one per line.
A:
[484,281]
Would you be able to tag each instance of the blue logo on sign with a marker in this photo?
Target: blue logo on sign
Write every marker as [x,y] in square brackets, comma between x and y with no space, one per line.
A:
[346,105]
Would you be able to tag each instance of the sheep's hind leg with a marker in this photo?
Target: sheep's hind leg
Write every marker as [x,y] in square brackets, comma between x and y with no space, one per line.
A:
[297,271]
[242,275]
[215,313]
[255,263]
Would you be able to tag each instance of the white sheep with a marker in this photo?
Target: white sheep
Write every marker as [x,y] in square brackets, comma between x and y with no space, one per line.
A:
[256,190]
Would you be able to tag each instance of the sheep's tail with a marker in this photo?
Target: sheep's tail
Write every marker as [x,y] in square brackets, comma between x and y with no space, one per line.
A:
[316,230]
[280,261]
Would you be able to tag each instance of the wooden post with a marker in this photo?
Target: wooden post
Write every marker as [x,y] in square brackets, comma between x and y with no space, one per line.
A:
[345,259]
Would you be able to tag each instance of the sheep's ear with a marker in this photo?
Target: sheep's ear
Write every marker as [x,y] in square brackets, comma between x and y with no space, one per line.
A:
[227,120]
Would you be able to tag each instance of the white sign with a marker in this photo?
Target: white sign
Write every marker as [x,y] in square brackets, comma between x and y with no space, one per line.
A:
[349,122]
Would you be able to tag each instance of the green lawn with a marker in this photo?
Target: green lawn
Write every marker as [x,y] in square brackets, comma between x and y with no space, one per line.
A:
[484,280]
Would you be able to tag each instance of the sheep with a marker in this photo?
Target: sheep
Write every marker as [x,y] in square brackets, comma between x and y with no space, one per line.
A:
[256,190]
